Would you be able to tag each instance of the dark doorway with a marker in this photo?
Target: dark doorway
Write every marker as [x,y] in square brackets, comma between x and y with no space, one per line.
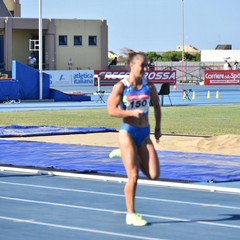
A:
[2,53]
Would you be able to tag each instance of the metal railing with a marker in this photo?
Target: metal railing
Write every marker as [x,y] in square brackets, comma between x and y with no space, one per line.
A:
[193,71]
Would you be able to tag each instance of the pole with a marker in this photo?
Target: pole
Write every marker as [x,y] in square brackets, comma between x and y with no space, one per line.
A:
[40,50]
[183,46]
[99,84]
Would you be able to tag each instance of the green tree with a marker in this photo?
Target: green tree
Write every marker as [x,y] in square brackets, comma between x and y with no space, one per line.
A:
[173,56]
[154,56]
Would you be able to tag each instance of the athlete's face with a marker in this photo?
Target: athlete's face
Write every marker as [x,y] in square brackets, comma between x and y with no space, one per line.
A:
[139,66]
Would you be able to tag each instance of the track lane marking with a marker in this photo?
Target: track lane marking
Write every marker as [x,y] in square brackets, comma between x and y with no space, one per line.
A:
[121,195]
[120,212]
[19,220]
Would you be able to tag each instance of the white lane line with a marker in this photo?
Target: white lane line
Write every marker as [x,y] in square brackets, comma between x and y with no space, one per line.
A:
[83,207]
[219,224]
[188,186]
[94,231]
[214,205]
[121,195]
[120,212]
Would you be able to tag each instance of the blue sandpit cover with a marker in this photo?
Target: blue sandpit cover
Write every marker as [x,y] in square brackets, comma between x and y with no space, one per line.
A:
[174,165]
[30,131]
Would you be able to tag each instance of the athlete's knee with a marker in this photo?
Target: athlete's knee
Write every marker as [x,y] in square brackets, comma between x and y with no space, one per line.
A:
[154,176]
[133,177]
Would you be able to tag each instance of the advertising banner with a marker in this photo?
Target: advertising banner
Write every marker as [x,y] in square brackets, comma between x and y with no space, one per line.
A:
[222,77]
[71,78]
[161,76]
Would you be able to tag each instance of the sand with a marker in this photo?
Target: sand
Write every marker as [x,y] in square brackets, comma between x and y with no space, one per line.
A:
[224,144]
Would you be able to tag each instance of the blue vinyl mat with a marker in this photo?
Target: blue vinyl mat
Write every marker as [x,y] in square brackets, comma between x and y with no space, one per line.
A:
[95,159]
[30,131]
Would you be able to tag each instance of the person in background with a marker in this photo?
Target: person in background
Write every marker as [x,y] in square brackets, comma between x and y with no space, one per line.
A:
[235,66]
[130,100]
[227,65]
[70,64]
[151,65]
[32,60]
[113,62]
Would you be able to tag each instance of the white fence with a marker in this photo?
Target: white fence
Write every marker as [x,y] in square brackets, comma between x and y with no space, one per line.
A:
[193,71]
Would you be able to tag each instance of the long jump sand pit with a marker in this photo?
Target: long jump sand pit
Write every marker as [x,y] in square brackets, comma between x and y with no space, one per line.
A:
[224,144]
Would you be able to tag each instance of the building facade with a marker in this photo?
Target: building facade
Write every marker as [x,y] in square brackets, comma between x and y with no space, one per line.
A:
[14,7]
[220,55]
[188,48]
[67,43]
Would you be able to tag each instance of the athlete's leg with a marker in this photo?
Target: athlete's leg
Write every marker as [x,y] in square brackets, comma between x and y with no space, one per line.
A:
[129,158]
[148,159]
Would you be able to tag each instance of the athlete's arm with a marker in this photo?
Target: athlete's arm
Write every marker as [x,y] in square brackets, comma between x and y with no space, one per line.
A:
[157,110]
[114,101]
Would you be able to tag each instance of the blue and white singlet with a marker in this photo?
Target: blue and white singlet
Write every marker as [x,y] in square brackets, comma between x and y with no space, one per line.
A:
[136,98]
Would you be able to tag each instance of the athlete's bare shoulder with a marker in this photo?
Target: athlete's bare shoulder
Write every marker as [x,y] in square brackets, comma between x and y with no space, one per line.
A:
[118,87]
[116,92]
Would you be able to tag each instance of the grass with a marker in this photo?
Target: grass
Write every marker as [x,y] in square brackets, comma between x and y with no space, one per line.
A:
[196,120]
[202,120]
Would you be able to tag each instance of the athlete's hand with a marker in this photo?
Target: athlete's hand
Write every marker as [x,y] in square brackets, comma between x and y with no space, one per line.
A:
[137,113]
[157,134]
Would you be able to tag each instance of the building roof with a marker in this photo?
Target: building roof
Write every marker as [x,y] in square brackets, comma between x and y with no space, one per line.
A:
[3,10]
[223,47]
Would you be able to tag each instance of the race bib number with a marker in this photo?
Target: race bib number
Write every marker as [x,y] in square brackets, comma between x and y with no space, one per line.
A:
[138,101]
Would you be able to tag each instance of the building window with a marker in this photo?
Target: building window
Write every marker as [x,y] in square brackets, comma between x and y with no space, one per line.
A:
[62,40]
[77,40]
[92,40]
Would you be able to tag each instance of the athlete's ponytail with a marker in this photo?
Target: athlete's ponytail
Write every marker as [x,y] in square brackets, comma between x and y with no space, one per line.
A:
[132,55]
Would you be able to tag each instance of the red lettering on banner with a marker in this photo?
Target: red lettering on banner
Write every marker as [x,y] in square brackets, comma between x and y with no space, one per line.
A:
[222,77]
[161,76]
[132,97]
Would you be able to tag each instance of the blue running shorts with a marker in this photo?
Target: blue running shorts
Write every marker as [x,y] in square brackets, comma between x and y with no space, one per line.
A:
[138,134]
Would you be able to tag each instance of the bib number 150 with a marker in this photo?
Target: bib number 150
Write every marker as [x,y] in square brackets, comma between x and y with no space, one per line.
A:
[138,104]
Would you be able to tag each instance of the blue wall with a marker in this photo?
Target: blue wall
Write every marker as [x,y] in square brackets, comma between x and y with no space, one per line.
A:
[28,79]
[1,52]
[9,90]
